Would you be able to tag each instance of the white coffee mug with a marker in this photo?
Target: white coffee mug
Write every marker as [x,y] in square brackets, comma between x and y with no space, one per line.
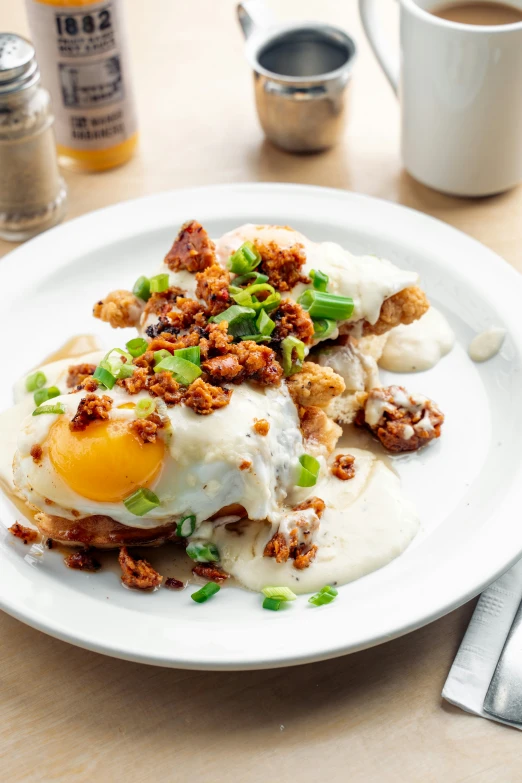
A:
[460,90]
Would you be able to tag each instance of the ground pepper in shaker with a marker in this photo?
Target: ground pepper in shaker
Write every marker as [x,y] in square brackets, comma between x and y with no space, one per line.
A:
[32,192]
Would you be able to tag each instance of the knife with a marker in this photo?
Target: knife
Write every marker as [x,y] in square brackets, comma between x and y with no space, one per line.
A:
[504,697]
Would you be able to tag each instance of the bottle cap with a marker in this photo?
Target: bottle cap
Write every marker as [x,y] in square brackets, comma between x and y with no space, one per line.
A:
[18,66]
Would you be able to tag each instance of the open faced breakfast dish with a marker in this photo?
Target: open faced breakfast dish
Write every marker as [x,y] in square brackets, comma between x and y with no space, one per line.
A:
[217,426]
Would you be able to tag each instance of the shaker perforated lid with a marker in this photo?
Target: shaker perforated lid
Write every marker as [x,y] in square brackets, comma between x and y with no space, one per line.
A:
[18,66]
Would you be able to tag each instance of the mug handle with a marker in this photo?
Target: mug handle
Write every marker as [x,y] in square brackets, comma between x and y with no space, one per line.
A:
[368,10]
[253,14]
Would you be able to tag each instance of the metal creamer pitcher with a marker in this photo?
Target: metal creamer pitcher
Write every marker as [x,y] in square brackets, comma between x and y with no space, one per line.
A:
[301,74]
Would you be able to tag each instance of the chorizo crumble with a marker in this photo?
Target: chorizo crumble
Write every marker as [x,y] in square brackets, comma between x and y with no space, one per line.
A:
[138,574]
[173,584]
[36,452]
[25,534]
[298,546]
[282,265]
[261,426]
[90,409]
[192,250]
[82,561]
[78,373]
[211,572]
[343,467]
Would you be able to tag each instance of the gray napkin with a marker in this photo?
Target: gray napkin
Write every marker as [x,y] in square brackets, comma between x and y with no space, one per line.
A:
[476,660]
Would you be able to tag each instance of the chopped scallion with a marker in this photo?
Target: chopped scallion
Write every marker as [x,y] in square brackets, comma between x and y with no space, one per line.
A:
[104,376]
[264,323]
[319,280]
[293,354]
[308,471]
[204,552]
[206,592]
[141,502]
[255,277]
[56,408]
[234,315]
[145,407]
[141,288]
[283,593]
[274,604]
[323,328]
[137,347]
[325,596]
[159,283]
[42,395]
[192,354]
[245,259]
[256,338]
[161,354]
[183,371]
[186,526]
[35,381]
[323,305]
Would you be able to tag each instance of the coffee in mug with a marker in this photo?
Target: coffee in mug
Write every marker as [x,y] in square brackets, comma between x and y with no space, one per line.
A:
[479,13]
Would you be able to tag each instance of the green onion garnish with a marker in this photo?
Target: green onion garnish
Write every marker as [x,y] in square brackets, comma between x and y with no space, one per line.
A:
[282,593]
[255,277]
[206,592]
[256,338]
[115,366]
[234,315]
[308,471]
[126,370]
[137,347]
[203,552]
[35,381]
[56,408]
[325,596]
[145,407]
[104,376]
[141,502]
[183,371]
[292,363]
[192,354]
[159,283]
[264,324]
[141,288]
[272,603]
[161,354]
[319,280]
[186,526]
[322,305]
[42,395]
[245,259]
[323,328]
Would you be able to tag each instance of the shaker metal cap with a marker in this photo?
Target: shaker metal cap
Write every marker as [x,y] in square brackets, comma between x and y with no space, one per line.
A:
[18,66]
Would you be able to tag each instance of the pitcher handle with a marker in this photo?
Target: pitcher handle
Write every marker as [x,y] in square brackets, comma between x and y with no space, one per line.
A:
[388,60]
[253,14]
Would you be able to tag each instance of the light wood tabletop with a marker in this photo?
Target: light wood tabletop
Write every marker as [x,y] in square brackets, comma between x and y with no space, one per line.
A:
[68,715]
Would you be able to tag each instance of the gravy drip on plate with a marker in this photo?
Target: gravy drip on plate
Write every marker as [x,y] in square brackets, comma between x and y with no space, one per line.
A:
[418,346]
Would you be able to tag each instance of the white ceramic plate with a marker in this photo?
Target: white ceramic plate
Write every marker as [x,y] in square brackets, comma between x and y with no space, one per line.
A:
[467,486]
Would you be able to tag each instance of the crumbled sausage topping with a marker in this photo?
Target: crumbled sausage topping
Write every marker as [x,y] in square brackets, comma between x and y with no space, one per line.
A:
[90,409]
[401,421]
[192,250]
[138,574]
[282,265]
[291,318]
[212,287]
[36,452]
[343,467]
[78,373]
[147,428]
[25,534]
[204,398]
[297,545]
[261,426]
[173,584]
[82,561]
[211,572]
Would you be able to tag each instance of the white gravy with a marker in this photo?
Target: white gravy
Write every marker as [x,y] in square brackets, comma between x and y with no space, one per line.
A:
[418,346]
[487,344]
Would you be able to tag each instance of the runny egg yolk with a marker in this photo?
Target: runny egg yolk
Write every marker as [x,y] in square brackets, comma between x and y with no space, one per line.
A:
[105,462]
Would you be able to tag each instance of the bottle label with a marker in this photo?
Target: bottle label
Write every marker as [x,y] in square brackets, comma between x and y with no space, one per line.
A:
[84,64]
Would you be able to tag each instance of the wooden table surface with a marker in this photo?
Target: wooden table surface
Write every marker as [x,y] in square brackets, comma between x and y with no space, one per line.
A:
[68,715]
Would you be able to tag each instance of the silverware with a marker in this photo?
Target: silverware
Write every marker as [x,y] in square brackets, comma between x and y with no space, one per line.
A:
[504,696]
[301,74]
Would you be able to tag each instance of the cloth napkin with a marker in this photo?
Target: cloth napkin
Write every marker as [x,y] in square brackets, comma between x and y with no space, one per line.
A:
[477,658]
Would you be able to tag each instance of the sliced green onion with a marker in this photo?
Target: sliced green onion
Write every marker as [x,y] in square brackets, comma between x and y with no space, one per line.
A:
[145,407]
[234,289]
[245,259]
[308,471]
[246,295]
[141,502]
[183,371]
[104,376]
[264,323]
[141,288]
[161,354]
[56,408]
[319,280]
[325,596]
[192,354]
[159,283]
[322,305]
[292,365]
[186,526]
[234,315]
[255,277]
[115,365]
[137,347]
[323,328]
[42,395]
[35,381]
[283,593]
[255,338]
[206,592]
[203,552]
[126,370]
[272,603]
[245,330]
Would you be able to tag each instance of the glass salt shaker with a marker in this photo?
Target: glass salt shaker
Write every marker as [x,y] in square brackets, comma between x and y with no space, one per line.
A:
[32,192]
